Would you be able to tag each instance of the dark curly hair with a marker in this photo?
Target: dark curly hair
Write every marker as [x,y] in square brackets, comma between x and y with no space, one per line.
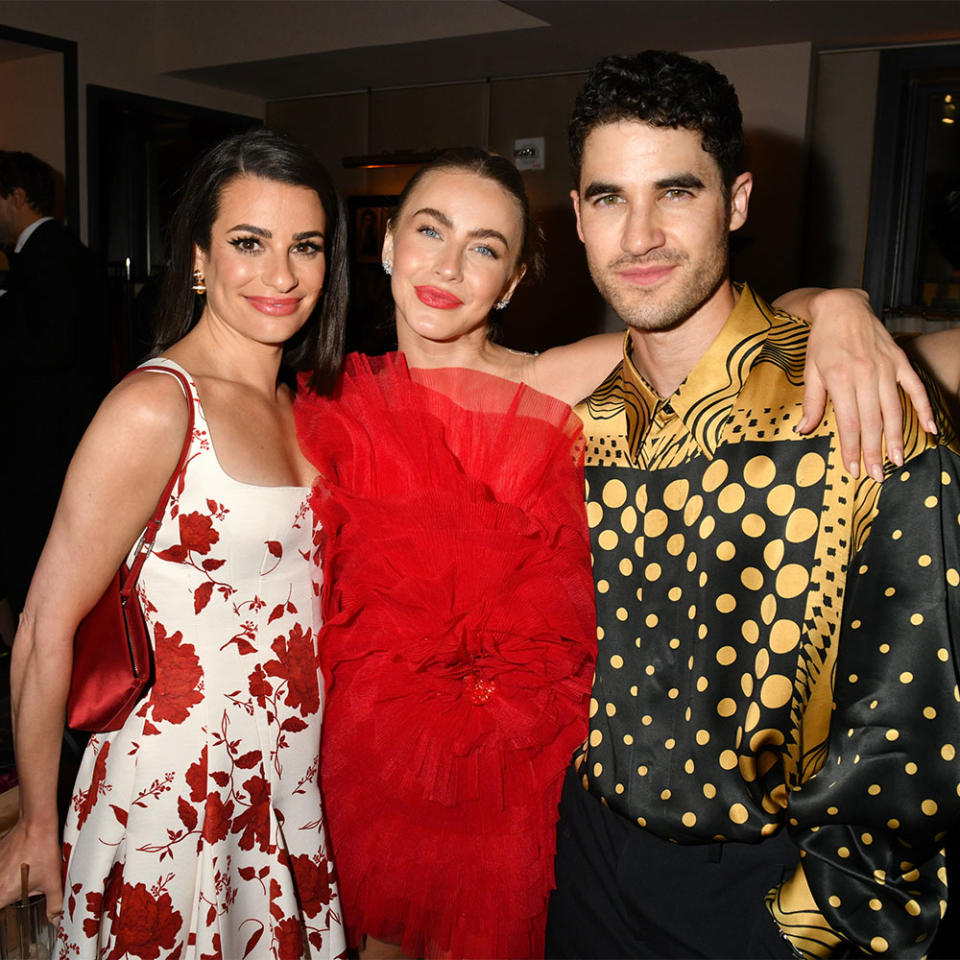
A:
[491,166]
[663,89]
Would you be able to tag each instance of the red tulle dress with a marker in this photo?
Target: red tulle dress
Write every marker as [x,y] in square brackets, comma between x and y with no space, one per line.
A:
[458,645]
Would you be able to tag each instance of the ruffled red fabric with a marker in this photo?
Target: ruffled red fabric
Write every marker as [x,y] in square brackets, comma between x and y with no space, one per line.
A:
[458,644]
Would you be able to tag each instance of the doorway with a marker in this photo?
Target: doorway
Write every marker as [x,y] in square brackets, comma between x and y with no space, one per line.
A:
[140,150]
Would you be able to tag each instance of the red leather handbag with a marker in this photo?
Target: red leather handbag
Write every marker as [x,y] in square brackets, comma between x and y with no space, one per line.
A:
[112,661]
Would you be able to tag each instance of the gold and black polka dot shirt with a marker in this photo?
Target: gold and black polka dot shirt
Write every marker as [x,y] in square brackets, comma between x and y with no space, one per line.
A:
[776,639]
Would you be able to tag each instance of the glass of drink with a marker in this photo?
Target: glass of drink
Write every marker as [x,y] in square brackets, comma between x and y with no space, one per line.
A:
[25,932]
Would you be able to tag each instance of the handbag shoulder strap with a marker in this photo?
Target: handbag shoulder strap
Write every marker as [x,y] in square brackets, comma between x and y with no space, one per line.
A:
[153,524]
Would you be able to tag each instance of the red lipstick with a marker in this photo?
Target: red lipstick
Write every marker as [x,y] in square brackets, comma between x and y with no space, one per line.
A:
[437,298]
[275,306]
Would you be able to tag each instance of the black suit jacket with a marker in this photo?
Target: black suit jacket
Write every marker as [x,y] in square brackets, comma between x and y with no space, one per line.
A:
[54,363]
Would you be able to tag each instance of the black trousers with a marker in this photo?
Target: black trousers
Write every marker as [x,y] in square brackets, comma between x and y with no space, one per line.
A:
[623,892]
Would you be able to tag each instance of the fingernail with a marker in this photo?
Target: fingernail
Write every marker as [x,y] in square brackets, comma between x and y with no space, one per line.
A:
[801,425]
[876,471]
[896,456]
[853,468]
[931,426]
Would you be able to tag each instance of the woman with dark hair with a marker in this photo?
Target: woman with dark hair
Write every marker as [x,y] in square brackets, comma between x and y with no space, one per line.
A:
[196,829]
[459,629]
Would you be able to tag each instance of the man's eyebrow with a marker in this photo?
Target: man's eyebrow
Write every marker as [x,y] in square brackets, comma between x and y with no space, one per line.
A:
[690,180]
[597,188]
[436,214]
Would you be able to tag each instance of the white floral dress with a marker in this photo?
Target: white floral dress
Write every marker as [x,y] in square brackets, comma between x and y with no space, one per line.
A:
[196,830]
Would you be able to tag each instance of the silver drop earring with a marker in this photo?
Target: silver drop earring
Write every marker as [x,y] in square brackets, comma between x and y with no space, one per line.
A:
[500,304]
[387,267]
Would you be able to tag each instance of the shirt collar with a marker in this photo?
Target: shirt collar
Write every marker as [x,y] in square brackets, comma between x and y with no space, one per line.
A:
[27,233]
[705,398]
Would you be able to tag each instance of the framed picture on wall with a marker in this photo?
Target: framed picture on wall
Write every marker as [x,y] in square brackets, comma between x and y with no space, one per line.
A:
[368,224]
[370,320]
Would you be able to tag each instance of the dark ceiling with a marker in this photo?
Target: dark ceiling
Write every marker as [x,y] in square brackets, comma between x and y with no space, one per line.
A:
[579,32]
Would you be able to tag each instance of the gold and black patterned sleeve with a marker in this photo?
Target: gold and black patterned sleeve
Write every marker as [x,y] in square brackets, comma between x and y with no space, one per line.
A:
[870,825]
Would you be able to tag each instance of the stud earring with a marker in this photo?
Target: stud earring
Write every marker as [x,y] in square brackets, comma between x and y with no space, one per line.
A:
[199,284]
[387,267]
[500,304]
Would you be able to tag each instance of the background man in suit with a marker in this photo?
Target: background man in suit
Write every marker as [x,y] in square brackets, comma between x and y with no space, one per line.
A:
[54,351]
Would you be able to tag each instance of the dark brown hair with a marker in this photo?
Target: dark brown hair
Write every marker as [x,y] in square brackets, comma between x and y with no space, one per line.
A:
[271,155]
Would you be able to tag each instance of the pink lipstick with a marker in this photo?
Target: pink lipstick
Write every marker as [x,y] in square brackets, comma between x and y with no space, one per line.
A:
[437,298]
[275,306]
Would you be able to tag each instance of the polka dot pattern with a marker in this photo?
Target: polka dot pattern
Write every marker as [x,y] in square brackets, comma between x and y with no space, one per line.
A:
[726,663]
[894,746]
[764,586]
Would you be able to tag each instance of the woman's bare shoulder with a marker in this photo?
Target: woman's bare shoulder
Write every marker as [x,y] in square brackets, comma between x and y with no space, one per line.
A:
[149,401]
[140,426]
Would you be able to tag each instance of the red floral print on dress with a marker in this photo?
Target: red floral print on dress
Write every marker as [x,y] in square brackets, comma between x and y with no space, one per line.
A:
[217,819]
[297,664]
[253,824]
[85,800]
[289,939]
[178,674]
[197,532]
[104,904]
[197,536]
[313,883]
[147,923]
[196,777]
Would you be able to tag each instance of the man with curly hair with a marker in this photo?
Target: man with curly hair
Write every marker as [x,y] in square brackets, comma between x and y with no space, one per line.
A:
[772,762]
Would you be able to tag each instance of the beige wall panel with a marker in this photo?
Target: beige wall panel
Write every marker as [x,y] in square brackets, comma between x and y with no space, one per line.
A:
[773,86]
[841,162]
[32,120]
[333,127]
[565,305]
[424,118]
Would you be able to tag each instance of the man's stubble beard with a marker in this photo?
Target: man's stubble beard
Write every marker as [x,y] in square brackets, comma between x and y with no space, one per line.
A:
[656,309]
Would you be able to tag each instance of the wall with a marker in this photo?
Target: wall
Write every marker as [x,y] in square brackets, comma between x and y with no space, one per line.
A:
[845,104]
[773,86]
[116,47]
[33,119]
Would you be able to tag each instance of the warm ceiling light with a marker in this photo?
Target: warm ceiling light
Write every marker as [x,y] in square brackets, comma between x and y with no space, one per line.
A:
[396,158]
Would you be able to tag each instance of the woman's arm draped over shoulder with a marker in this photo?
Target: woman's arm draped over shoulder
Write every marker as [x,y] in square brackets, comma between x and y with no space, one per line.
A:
[852,358]
[112,487]
[571,372]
